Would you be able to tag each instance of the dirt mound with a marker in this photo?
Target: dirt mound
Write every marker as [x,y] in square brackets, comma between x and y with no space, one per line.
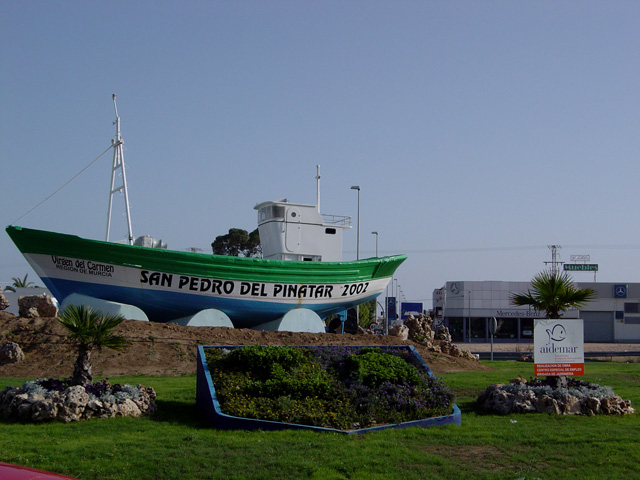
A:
[168,349]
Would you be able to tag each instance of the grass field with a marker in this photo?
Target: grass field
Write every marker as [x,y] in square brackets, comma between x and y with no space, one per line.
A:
[178,444]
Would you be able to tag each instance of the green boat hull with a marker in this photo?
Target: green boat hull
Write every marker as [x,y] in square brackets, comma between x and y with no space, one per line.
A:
[169,285]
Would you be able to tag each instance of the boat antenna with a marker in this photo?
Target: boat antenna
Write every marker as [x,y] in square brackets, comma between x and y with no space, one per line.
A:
[318,187]
[118,164]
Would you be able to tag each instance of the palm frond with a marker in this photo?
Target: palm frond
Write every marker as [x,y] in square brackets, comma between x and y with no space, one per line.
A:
[19,283]
[92,328]
[553,293]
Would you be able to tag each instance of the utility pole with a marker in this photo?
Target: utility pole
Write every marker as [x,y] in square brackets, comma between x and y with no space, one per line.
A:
[554,259]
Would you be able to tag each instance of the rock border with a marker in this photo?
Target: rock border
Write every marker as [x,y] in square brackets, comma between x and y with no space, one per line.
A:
[72,405]
[519,397]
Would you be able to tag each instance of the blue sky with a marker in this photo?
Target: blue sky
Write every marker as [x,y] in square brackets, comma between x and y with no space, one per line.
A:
[479,132]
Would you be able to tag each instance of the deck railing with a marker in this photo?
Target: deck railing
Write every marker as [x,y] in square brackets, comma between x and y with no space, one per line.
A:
[337,220]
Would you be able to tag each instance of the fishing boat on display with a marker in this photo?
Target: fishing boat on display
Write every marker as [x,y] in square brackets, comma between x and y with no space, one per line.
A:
[298,283]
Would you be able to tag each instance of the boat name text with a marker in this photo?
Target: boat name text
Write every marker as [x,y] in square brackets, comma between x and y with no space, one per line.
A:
[86,267]
[250,289]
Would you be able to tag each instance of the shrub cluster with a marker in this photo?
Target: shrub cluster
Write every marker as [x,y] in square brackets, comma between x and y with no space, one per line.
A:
[335,387]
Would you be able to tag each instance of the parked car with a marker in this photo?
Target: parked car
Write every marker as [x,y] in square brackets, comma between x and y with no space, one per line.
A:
[17,472]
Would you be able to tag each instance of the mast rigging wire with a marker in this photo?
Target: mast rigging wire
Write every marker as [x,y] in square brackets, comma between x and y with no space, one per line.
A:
[63,186]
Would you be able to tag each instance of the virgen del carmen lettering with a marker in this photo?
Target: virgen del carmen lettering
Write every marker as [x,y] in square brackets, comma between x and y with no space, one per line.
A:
[82,266]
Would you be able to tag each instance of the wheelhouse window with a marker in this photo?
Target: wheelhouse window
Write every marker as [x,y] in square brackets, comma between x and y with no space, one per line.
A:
[270,212]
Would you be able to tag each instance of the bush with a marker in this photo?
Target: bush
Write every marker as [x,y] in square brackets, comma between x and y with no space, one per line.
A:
[372,367]
[260,360]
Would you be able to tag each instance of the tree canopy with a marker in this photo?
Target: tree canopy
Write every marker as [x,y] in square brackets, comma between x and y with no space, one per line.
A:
[553,293]
[238,243]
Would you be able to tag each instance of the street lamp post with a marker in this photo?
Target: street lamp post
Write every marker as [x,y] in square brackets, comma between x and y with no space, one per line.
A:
[357,187]
[387,316]
[394,289]
[376,234]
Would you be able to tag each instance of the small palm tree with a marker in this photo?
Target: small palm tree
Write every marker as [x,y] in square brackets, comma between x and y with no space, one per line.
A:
[553,293]
[20,283]
[90,329]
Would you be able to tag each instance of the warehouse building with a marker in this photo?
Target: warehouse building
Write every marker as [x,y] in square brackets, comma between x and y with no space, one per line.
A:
[466,307]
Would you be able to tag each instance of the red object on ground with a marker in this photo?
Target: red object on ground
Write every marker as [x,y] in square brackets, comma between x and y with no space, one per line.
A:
[16,472]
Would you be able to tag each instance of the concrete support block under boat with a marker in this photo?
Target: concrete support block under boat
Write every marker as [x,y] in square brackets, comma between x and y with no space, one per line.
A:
[105,306]
[210,317]
[296,320]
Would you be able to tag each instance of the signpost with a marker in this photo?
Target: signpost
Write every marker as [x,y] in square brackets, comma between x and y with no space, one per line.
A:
[392,314]
[558,347]
[493,328]
[581,267]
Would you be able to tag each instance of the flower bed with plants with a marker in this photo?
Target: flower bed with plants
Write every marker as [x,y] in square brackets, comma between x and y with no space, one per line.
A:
[326,387]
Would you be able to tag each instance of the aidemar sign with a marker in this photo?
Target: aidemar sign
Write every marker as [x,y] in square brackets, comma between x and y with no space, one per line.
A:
[558,347]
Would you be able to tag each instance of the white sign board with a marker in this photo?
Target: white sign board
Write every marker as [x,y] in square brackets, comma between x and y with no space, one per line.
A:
[580,258]
[558,347]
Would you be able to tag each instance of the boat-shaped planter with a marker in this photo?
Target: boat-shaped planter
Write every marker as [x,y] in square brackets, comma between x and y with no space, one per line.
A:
[168,284]
[207,402]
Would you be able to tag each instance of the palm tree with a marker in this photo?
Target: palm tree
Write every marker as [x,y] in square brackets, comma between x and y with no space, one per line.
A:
[553,293]
[20,283]
[90,329]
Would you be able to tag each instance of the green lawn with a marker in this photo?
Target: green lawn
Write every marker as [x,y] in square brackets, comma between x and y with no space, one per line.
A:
[178,443]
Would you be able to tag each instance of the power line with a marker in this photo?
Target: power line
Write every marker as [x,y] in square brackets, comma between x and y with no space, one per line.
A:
[504,249]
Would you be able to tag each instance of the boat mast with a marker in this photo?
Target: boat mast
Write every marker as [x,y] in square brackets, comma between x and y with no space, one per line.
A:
[118,164]
[318,187]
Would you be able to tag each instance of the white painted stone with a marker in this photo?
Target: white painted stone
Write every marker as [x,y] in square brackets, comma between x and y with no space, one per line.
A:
[127,311]
[296,320]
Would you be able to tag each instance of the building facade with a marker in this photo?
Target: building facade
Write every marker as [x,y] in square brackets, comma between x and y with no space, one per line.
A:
[466,308]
